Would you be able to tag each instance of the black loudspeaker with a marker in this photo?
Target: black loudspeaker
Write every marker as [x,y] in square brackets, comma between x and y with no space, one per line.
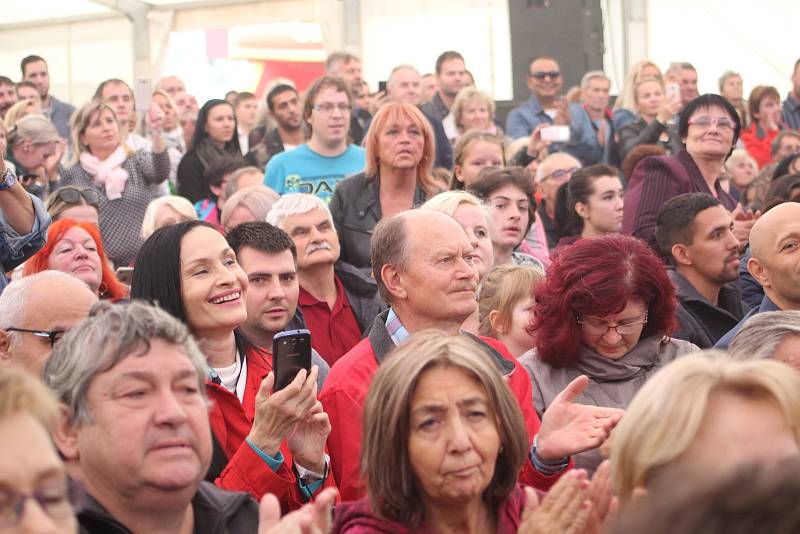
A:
[569,30]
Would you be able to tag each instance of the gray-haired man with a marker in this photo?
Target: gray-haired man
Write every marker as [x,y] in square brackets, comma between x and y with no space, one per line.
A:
[132,382]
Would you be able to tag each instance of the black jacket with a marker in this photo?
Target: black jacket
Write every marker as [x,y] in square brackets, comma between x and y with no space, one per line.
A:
[261,153]
[216,511]
[191,178]
[640,133]
[356,209]
[701,322]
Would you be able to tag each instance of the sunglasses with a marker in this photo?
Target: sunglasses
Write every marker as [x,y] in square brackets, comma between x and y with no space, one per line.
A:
[73,196]
[541,75]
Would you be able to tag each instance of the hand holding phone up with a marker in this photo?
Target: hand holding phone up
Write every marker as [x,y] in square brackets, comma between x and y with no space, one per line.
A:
[277,413]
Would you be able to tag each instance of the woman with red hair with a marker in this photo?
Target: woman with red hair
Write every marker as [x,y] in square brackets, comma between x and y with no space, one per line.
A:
[605,310]
[74,247]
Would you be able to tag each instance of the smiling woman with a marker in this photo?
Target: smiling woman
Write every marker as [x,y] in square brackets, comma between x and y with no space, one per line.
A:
[191,272]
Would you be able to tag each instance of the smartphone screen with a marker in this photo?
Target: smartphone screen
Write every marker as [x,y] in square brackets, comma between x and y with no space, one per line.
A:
[382,87]
[291,352]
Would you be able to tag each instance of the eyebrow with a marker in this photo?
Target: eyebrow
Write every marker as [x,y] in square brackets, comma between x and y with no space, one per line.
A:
[207,259]
[147,376]
[256,274]
[437,407]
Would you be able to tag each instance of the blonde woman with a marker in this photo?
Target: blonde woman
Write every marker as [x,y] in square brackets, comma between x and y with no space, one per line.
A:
[506,306]
[741,169]
[472,109]
[126,181]
[23,108]
[625,106]
[709,413]
[166,211]
[247,205]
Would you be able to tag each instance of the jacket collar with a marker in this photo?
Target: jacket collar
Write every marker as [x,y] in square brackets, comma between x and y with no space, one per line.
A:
[382,344]
[370,199]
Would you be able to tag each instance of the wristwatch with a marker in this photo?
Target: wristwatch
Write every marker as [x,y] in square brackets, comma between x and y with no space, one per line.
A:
[7,179]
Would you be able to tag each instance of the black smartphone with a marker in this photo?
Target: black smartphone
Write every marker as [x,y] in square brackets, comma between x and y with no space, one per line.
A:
[382,87]
[291,351]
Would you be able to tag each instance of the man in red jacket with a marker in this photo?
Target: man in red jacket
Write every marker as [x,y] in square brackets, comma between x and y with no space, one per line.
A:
[422,263]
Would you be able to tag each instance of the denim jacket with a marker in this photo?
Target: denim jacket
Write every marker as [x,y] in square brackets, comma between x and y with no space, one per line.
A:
[16,248]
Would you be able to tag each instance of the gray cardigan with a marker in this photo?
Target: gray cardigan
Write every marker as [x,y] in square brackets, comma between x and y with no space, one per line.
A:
[612,383]
[121,219]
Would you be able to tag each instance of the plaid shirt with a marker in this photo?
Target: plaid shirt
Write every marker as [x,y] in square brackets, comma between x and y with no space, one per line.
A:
[396,330]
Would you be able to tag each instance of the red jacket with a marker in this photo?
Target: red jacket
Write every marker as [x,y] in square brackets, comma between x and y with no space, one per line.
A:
[231,421]
[759,144]
[345,391]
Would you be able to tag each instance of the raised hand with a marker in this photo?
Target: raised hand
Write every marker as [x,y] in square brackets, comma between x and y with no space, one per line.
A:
[307,439]
[312,518]
[276,413]
[562,112]
[564,510]
[569,428]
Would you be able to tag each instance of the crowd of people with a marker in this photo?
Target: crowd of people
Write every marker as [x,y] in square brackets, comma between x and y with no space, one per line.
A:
[583,320]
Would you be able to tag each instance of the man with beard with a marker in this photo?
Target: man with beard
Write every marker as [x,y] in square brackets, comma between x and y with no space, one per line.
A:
[452,76]
[695,232]
[338,301]
[8,95]
[283,103]
[775,262]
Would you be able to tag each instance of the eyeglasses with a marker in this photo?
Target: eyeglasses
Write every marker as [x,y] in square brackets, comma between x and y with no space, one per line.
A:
[541,75]
[51,335]
[56,501]
[723,123]
[560,173]
[73,196]
[599,328]
[328,107]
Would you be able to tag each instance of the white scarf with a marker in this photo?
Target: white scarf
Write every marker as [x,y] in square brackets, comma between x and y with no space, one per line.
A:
[109,172]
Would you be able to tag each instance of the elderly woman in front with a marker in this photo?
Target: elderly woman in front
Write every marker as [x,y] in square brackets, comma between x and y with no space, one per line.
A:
[457,440]
[706,413]
[709,127]
[605,310]
[472,110]
[400,151]
[126,181]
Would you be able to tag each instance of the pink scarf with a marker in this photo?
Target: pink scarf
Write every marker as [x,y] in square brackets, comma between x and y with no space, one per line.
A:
[108,172]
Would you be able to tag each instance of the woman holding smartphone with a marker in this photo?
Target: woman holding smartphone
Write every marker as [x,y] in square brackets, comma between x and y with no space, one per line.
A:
[272,442]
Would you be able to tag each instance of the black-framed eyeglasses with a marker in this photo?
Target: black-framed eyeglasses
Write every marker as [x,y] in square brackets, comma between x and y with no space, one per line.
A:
[541,75]
[73,196]
[600,328]
[51,335]
[58,502]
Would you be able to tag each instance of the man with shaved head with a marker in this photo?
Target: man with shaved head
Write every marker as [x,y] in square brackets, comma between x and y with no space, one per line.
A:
[422,263]
[775,247]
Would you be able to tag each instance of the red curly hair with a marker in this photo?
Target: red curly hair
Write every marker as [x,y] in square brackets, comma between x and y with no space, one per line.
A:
[111,288]
[598,276]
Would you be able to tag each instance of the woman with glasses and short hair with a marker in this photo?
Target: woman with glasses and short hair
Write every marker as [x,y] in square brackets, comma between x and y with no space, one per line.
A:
[74,202]
[605,310]
[709,127]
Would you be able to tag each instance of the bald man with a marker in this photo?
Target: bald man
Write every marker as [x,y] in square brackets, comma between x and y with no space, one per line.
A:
[422,263]
[775,246]
[35,311]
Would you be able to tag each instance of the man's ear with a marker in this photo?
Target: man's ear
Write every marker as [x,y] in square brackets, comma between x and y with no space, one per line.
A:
[5,346]
[65,435]
[756,268]
[680,254]
[393,280]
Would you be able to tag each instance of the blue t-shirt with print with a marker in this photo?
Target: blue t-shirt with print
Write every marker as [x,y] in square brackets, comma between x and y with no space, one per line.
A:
[302,170]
